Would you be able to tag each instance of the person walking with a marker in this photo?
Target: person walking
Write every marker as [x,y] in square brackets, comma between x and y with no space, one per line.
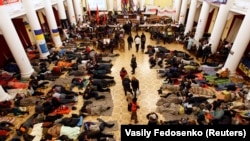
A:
[123,73]
[135,85]
[134,108]
[133,63]
[130,41]
[126,83]
[137,42]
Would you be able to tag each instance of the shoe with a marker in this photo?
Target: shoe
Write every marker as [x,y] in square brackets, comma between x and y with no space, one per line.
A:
[100,97]
[110,125]
[100,120]
[88,102]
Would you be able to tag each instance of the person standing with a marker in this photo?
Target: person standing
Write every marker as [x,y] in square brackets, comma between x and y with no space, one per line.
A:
[137,42]
[130,41]
[133,63]
[143,41]
[135,85]
[190,43]
[206,53]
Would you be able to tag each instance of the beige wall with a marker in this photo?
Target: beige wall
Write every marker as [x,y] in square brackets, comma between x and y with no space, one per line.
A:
[164,3]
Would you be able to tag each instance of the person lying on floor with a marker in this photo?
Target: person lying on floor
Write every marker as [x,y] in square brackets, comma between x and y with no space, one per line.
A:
[13,108]
[90,92]
[102,82]
[91,88]
[101,76]
[62,89]
[182,121]
[89,108]
[64,98]
[95,130]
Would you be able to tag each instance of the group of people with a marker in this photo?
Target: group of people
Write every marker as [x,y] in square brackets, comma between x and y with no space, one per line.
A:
[140,40]
[131,88]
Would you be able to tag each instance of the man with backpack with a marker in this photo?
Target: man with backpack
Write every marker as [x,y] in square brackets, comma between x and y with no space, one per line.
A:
[134,107]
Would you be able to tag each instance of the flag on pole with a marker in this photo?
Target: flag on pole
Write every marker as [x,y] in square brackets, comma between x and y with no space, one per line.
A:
[89,10]
[104,18]
[1,2]
[97,15]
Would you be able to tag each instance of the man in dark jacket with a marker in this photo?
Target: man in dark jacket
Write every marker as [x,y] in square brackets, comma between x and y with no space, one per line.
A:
[133,63]
[126,85]
[135,85]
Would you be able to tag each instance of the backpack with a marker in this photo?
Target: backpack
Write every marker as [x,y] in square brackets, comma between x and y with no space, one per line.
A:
[134,107]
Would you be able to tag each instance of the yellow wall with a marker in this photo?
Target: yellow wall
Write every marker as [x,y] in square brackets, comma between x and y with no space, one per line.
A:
[163,3]
[227,27]
[147,2]
[216,10]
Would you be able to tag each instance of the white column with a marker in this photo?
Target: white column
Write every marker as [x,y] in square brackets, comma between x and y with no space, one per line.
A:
[110,4]
[202,21]
[142,4]
[52,24]
[61,10]
[70,8]
[14,43]
[219,24]
[177,7]
[78,10]
[4,95]
[35,25]
[183,12]
[240,44]
[191,15]
[83,3]
[119,7]
[62,14]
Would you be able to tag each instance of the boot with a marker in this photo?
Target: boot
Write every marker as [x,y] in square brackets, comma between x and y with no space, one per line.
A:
[100,97]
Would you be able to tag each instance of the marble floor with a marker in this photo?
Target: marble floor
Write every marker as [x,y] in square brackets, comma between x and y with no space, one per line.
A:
[149,84]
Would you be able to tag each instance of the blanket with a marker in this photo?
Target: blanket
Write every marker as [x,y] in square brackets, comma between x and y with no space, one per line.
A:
[8,119]
[108,101]
[114,128]
[109,130]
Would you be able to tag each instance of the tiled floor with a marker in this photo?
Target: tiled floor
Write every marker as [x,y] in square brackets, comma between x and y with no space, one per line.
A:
[149,84]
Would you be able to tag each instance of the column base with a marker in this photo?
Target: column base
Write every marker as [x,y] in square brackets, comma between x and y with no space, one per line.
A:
[26,75]
[44,55]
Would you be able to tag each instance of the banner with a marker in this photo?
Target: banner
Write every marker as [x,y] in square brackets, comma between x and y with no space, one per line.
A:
[166,12]
[217,1]
[151,10]
[2,2]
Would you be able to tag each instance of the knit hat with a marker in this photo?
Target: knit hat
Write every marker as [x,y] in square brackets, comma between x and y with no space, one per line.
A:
[153,117]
